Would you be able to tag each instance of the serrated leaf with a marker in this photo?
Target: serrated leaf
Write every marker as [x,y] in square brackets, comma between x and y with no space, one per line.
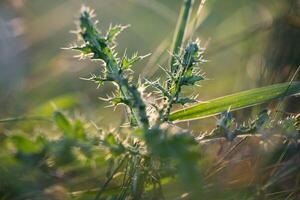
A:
[236,101]
[84,49]
[113,32]
[128,62]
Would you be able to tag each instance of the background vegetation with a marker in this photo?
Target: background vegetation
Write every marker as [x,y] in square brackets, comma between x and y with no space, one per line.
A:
[249,44]
[238,35]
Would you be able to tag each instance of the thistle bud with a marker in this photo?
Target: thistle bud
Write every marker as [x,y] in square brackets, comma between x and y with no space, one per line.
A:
[191,54]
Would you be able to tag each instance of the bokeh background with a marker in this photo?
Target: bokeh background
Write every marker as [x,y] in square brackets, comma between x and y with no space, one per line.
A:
[249,44]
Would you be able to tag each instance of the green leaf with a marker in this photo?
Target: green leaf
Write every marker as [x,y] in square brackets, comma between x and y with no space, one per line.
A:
[126,62]
[84,49]
[111,142]
[25,144]
[113,32]
[118,100]
[79,130]
[236,101]
[66,101]
[62,122]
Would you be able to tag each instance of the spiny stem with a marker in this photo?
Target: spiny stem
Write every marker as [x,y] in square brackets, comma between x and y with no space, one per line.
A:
[102,49]
[175,95]
[184,75]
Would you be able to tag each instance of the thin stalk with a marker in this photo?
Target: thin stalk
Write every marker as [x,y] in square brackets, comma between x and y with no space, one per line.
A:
[175,95]
[196,20]
[98,195]
[24,118]
[178,85]
[280,105]
[180,30]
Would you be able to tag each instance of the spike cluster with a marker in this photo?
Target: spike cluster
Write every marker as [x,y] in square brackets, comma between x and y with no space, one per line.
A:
[116,70]
[185,72]
[228,128]
[158,144]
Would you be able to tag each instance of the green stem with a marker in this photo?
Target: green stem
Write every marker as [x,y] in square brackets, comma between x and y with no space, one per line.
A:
[175,95]
[128,92]
[178,85]
[25,118]
[98,195]
[101,49]
[180,31]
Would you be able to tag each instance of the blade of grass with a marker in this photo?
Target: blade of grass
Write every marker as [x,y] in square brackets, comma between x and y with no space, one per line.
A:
[196,20]
[103,188]
[236,101]
[158,8]
[180,30]
[280,106]
[158,56]
[92,192]
[25,118]
[191,26]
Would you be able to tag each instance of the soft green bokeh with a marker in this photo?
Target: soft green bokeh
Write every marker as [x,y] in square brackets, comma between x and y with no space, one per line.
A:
[235,57]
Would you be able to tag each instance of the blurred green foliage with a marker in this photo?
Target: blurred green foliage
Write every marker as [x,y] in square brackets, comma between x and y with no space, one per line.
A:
[229,28]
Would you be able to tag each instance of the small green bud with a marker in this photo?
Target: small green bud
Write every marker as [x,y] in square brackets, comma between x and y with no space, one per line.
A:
[191,55]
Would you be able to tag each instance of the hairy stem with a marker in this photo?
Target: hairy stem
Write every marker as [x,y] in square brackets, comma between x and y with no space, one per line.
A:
[101,49]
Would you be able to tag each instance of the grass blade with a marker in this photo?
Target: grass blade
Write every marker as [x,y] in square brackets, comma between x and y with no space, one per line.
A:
[236,101]
[181,28]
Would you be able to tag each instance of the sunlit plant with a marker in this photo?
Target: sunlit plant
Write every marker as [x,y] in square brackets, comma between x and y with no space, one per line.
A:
[149,152]
[155,149]
[155,152]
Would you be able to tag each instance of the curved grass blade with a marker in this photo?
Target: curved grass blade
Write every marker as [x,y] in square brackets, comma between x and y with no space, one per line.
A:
[236,101]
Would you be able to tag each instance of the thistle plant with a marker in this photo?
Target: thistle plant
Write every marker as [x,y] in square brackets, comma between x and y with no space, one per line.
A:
[115,69]
[152,151]
[146,156]
[227,127]
[184,72]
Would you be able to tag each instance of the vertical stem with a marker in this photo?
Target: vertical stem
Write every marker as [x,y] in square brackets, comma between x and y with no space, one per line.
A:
[99,193]
[102,50]
[180,30]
